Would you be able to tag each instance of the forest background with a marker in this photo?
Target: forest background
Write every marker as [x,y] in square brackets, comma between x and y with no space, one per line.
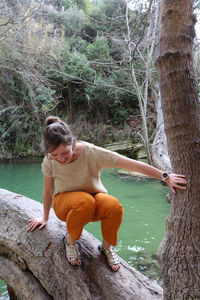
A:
[89,62]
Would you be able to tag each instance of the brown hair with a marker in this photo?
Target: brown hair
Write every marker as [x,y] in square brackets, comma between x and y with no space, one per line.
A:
[56,133]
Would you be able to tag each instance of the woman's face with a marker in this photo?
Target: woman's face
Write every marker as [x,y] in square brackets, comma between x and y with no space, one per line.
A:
[62,154]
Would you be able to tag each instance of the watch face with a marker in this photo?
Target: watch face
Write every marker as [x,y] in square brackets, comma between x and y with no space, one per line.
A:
[165,175]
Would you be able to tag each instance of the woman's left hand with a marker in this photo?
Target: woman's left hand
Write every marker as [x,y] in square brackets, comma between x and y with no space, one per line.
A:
[176,181]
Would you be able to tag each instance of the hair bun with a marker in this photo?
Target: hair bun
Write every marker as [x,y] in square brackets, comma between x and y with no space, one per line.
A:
[51,119]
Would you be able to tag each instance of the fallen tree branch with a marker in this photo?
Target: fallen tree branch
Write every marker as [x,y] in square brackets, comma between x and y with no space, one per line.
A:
[34,264]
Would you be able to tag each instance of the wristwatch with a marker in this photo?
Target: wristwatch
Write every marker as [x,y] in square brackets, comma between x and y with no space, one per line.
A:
[165,176]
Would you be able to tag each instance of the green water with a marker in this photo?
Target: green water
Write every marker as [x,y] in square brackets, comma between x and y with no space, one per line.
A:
[145,212]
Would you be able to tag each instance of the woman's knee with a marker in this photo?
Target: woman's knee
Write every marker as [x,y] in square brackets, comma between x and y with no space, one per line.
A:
[108,205]
[116,209]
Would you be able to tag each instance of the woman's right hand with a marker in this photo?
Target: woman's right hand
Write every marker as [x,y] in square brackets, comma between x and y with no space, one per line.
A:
[34,223]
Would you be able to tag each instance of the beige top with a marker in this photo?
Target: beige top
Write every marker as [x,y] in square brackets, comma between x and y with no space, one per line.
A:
[82,174]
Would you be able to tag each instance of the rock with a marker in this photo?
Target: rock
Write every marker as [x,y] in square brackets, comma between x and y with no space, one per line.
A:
[133,174]
[120,146]
[34,266]
[141,153]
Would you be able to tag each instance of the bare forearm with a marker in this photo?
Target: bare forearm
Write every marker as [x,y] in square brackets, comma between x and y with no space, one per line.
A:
[174,180]
[137,166]
[48,192]
[148,170]
[47,202]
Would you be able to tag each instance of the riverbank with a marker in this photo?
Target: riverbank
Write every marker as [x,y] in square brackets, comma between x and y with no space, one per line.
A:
[10,158]
[127,147]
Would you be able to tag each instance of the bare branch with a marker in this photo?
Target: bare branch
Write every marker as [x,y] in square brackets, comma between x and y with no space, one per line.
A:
[3,111]
[9,129]
[143,31]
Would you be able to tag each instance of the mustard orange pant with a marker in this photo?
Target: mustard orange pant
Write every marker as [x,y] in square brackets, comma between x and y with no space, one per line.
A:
[79,208]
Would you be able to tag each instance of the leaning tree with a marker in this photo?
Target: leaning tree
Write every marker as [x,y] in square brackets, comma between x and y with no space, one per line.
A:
[180,249]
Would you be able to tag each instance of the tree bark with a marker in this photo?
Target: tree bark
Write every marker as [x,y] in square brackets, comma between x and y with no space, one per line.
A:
[34,265]
[180,250]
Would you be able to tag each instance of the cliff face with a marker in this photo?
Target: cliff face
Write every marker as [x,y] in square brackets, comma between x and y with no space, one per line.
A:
[34,266]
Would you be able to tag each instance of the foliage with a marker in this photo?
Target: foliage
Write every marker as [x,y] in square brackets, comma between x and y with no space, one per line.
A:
[78,44]
[70,64]
[108,16]
[84,5]
[99,50]
[78,67]
[72,20]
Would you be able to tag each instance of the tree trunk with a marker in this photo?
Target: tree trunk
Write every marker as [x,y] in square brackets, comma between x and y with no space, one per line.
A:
[180,250]
[34,265]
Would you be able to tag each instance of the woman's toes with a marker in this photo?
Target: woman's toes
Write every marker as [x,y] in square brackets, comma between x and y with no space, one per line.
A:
[115,267]
[76,262]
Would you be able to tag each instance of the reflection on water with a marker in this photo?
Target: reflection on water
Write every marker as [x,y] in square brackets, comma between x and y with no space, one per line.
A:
[3,291]
[145,211]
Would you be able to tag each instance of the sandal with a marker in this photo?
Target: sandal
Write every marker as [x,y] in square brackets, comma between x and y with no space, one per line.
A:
[111,257]
[72,252]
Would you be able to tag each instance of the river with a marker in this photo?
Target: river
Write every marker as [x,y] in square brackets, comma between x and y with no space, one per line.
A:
[145,212]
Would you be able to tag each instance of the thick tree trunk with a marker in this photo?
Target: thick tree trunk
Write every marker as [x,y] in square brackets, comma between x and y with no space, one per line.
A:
[180,250]
[34,265]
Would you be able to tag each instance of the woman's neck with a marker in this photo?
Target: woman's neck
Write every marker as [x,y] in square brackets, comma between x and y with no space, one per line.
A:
[78,148]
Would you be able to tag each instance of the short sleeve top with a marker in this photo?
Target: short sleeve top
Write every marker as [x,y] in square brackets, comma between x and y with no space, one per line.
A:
[82,174]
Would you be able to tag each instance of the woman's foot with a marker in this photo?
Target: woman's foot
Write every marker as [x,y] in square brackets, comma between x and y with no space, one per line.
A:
[110,255]
[72,252]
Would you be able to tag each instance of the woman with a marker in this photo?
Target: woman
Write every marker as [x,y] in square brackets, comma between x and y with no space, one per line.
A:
[74,167]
